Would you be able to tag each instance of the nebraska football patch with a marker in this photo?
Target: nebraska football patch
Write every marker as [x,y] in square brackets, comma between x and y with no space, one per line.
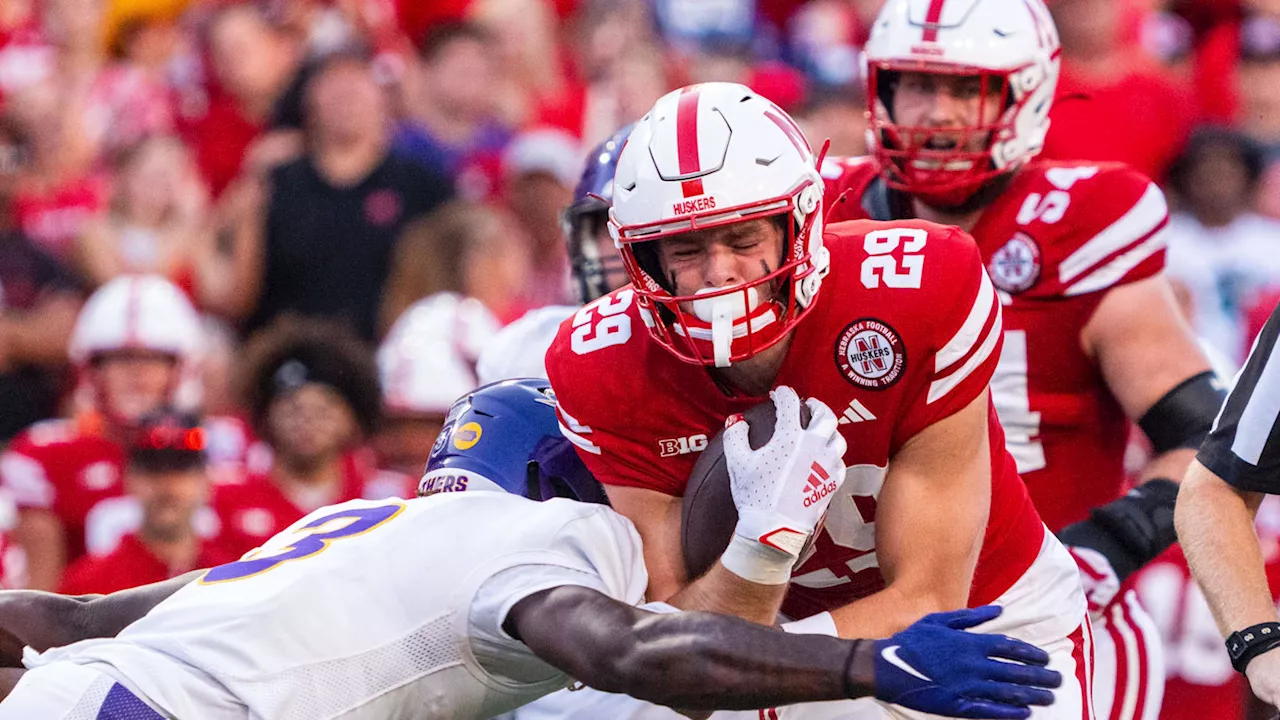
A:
[870,354]
[1016,266]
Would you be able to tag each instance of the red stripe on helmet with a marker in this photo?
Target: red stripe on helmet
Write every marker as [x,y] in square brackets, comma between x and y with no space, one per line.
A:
[1041,34]
[931,18]
[789,128]
[687,131]
[131,312]
[692,188]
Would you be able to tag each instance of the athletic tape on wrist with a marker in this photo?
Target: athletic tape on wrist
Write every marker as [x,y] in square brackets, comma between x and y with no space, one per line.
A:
[757,563]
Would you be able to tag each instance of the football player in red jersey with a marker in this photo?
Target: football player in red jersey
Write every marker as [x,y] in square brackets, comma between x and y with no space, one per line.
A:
[959,94]
[717,209]
[135,345]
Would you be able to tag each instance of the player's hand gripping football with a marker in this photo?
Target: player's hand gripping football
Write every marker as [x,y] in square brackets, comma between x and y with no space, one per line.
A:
[782,489]
[935,667]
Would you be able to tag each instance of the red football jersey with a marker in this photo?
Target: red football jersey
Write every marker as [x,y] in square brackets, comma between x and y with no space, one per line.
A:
[74,472]
[253,510]
[1053,242]
[69,468]
[130,565]
[905,332]
[1201,682]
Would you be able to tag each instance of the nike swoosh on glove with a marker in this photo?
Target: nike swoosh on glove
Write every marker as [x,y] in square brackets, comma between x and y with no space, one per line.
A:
[934,666]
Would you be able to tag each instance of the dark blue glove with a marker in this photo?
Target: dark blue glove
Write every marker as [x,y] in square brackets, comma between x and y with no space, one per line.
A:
[935,667]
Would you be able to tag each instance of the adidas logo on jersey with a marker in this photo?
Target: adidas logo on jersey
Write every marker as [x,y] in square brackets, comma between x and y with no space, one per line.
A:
[856,413]
[819,485]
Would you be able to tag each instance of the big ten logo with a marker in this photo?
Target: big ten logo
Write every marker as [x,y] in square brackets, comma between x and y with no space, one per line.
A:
[670,447]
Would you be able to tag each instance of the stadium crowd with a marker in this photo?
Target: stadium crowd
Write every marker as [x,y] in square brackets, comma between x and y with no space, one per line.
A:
[250,252]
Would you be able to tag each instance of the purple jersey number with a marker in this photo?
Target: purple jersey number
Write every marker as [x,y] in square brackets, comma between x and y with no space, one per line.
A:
[355,521]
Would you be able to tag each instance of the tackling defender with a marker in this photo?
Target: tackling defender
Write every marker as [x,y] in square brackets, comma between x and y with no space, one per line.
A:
[472,603]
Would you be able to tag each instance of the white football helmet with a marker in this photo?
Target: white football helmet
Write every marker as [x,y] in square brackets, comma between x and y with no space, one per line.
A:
[136,312]
[1011,44]
[428,359]
[707,155]
[140,312]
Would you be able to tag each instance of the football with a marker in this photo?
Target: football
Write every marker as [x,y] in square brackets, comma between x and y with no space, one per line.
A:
[708,514]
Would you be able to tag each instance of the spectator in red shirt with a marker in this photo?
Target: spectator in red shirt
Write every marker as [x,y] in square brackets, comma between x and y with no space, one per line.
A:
[165,473]
[1113,103]
[311,388]
[254,64]
[56,194]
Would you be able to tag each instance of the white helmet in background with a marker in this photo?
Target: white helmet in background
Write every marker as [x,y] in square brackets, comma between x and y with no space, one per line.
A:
[136,312]
[429,357]
[708,155]
[1011,44]
[141,313]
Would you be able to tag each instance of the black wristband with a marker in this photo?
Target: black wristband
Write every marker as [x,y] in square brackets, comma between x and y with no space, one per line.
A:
[1244,645]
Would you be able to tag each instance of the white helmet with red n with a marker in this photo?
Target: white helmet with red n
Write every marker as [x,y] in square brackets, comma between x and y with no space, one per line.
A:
[428,359]
[709,155]
[141,313]
[1011,44]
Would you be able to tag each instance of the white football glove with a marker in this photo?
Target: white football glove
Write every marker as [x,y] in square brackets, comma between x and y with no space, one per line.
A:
[782,489]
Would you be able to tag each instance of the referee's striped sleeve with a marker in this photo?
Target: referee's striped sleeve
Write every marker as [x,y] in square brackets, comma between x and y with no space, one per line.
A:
[1244,446]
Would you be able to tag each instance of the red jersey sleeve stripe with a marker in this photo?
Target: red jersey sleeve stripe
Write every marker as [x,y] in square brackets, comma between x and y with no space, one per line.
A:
[26,480]
[941,386]
[970,333]
[1147,215]
[575,431]
[687,132]
[1108,274]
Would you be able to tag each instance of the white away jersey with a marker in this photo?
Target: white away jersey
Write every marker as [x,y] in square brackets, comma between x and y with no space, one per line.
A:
[388,609]
[519,350]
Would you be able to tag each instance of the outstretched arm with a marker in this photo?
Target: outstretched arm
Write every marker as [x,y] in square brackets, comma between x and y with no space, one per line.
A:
[704,661]
[43,620]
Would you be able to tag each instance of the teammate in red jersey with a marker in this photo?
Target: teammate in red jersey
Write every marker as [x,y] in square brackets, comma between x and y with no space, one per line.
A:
[1092,337]
[135,345]
[718,209]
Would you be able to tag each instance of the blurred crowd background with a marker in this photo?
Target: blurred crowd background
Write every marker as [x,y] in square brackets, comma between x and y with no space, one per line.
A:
[309,172]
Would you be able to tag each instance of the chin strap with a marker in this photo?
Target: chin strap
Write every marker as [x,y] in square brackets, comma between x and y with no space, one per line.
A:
[722,331]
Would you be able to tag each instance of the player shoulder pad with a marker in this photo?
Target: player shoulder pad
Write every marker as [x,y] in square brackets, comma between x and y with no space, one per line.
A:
[519,349]
[45,434]
[845,181]
[599,334]
[594,349]
[1090,226]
